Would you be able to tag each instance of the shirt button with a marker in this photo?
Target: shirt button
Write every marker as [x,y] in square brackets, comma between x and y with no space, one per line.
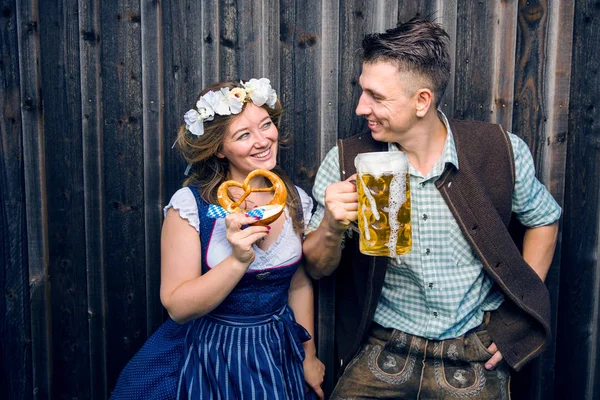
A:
[427,251]
[425,216]
[422,184]
[435,314]
[430,285]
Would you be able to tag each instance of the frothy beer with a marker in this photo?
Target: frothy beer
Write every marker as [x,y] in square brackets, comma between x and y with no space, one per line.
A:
[383,203]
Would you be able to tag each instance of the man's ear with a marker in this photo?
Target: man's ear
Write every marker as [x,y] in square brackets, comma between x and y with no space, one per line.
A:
[220,155]
[424,100]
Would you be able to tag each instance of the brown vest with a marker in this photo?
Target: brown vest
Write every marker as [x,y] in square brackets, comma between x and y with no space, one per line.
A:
[479,196]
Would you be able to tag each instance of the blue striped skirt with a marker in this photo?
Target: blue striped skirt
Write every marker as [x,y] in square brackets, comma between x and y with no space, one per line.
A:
[244,357]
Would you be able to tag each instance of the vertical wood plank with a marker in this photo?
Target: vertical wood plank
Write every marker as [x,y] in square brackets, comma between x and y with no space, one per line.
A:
[152,106]
[330,37]
[504,63]
[35,196]
[270,26]
[553,35]
[190,58]
[123,167]
[578,352]
[59,45]
[15,325]
[210,43]
[529,115]
[327,137]
[308,93]
[446,10]
[476,25]
[230,30]
[302,102]
[408,9]
[91,131]
[357,18]
[386,12]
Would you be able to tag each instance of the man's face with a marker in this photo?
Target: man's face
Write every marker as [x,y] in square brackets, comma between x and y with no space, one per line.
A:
[388,101]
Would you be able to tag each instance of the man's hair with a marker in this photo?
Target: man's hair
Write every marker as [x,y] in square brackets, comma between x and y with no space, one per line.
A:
[419,46]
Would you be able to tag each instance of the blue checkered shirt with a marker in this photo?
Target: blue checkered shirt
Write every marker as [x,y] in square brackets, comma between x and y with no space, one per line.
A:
[439,290]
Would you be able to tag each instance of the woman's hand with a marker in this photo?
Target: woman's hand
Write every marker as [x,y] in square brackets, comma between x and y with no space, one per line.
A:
[241,237]
[314,371]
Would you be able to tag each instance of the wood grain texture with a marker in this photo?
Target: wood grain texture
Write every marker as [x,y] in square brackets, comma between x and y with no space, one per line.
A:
[578,352]
[446,13]
[476,23]
[503,83]
[64,183]
[123,171]
[92,138]
[35,196]
[556,36]
[152,111]
[355,16]
[15,313]
[301,55]
[187,69]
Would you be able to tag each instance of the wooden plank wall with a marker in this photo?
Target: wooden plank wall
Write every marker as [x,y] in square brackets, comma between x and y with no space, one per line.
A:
[92,93]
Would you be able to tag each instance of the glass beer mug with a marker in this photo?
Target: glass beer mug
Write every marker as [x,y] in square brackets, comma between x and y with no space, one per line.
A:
[383,203]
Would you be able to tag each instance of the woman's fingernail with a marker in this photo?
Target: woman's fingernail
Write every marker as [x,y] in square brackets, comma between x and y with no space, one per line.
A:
[268,227]
[257,218]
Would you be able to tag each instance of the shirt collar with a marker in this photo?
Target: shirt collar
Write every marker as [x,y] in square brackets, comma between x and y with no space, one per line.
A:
[449,153]
[448,156]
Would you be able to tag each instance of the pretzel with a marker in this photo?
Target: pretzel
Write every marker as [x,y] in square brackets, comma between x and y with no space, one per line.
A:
[276,204]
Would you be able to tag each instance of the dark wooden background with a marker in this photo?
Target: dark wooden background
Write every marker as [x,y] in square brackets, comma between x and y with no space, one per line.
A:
[92,92]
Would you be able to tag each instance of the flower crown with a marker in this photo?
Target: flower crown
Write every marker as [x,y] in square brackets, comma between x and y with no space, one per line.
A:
[227,102]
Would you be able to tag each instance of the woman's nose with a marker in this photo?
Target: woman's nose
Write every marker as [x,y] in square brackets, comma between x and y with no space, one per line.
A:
[262,140]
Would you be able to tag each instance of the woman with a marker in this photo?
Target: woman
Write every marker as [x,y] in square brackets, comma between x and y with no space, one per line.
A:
[244,299]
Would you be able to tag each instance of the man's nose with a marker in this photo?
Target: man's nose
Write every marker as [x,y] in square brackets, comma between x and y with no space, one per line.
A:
[362,108]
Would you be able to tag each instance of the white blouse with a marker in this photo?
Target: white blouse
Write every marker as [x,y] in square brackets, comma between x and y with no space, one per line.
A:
[286,250]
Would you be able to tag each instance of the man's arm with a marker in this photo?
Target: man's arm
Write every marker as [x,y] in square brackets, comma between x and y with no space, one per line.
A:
[538,248]
[534,207]
[322,247]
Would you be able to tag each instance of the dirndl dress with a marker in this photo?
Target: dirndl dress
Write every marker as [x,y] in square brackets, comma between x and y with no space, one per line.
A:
[249,347]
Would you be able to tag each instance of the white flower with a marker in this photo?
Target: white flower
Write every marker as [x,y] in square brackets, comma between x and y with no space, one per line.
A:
[235,99]
[215,102]
[193,122]
[261,92]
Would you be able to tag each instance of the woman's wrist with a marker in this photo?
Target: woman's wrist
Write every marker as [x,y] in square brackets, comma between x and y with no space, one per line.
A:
[237,265]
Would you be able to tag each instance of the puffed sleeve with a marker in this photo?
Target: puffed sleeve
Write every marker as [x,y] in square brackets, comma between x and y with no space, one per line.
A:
[184,202]
[307,205]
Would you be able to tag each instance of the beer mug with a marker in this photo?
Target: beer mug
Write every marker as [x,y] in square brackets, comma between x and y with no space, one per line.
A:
[383,203]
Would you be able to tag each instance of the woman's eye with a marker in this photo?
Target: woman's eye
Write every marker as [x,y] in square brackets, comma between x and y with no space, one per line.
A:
[243,136]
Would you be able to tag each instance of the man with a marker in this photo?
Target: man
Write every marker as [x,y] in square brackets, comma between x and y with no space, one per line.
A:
[448,318]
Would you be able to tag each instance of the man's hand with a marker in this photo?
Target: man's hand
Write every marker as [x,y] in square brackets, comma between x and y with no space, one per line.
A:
[495,359]
[341,205]
[322,247]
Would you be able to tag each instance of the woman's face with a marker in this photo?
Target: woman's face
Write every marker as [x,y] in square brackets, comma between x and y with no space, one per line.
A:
[250,143]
